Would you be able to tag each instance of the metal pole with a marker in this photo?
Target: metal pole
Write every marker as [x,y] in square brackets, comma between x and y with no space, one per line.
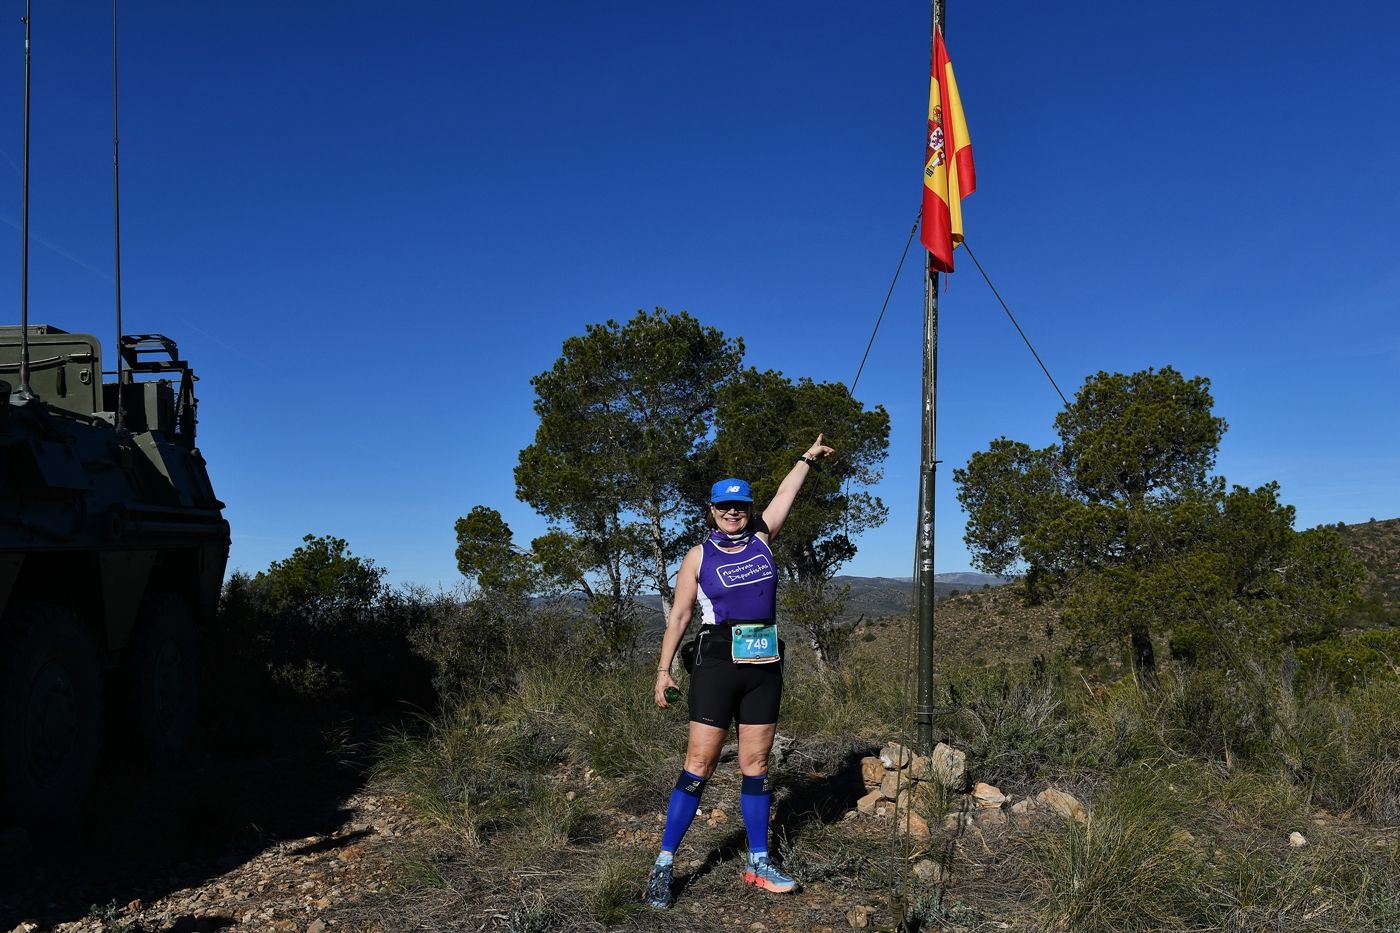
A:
[24,391]
[117,226]
[928,462]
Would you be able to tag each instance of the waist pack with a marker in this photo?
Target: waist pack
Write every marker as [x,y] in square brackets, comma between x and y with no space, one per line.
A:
[723,634]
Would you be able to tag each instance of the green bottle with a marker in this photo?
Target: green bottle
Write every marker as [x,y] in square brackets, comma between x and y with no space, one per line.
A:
[672,694]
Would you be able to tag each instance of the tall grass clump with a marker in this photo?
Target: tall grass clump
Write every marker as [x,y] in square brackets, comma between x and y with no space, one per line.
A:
[1128,868]
[1351,748]
[1187,845]
[478,775]
[860,697]
[614,891]
[622,734]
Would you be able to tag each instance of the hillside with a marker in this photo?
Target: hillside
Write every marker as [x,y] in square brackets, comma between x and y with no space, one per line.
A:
[1377,544]
[874,597]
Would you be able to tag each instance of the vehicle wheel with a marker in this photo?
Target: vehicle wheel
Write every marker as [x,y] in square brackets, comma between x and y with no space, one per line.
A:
[50,714]
[165,678]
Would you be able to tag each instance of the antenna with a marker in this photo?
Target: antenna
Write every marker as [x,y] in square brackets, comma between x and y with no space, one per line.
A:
[117,226]
[24,392]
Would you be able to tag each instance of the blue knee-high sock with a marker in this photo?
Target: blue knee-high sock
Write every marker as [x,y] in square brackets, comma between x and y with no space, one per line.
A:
[685,800]
[755,800]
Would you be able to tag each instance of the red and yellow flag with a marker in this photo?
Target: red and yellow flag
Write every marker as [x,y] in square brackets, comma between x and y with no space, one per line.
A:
[948,172]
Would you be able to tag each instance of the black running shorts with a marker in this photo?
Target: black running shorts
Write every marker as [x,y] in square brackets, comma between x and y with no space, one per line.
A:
[722,691]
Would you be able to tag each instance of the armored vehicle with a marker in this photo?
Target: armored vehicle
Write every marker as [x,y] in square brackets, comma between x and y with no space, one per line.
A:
[112,554]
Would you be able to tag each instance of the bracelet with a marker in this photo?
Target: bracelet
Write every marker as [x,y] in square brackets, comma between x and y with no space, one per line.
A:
[663,670]
[807,460]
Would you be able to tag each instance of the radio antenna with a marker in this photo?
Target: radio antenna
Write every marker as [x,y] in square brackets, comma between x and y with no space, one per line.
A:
[24,392]
[117,226]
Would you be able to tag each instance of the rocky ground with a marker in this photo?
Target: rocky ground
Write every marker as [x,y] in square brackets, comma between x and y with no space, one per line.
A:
[287,842]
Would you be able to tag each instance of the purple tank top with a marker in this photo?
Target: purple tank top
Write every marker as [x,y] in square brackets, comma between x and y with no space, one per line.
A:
[742,585]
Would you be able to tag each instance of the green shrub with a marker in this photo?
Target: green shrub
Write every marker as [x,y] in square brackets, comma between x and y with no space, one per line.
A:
[1350,745]
[1011,722]
[1349,661]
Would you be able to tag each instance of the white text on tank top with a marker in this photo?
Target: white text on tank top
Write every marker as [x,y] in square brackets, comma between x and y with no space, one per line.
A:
[741,585]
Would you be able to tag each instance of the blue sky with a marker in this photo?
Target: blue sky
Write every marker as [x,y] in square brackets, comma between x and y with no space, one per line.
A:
[368,226]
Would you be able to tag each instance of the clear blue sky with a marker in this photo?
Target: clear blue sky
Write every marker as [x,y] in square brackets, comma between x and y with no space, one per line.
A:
[369,225]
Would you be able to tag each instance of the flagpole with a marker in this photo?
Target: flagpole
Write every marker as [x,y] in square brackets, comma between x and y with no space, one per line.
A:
[928,464]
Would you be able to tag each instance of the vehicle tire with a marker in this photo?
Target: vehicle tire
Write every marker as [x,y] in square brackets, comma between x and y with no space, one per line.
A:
[50,714]
[165,679]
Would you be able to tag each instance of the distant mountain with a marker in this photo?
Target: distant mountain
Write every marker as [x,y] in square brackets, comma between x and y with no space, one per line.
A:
[874,597]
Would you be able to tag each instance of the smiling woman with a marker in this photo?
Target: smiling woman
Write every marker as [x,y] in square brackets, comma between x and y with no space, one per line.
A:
[737,672]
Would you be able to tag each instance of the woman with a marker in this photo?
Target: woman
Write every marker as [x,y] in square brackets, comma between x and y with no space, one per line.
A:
[738,671]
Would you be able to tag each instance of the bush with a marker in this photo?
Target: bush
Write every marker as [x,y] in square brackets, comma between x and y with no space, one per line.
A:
[1348,661]
[1351,748]
[478,643]
[314,636]
[1011,722]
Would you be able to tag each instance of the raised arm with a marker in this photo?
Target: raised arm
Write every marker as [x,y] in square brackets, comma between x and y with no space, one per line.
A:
[777,512]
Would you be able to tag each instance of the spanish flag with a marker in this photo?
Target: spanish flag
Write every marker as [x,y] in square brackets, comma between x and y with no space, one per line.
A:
[948,173]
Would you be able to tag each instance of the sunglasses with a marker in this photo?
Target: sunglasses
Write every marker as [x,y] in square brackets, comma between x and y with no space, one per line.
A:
[730,506]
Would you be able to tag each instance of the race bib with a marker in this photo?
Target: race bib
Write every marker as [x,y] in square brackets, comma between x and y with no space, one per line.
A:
[755,644]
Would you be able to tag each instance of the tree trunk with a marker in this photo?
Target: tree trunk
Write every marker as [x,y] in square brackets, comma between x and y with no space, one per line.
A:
[663,575]
[1144,657]
[819,648]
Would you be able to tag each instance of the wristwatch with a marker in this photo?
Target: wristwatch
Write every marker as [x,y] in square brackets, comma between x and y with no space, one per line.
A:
[808,460]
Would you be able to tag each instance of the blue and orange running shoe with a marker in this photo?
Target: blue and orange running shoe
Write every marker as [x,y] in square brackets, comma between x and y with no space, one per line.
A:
[762,873]
[658,892]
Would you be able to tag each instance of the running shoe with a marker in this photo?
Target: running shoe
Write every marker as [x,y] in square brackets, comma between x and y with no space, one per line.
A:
[658,893]
[764,874]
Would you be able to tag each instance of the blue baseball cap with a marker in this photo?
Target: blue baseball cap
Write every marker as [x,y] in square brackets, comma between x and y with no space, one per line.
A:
[731,490]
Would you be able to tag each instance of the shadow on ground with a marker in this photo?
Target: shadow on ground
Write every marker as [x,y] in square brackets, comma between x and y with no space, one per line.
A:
[142,837]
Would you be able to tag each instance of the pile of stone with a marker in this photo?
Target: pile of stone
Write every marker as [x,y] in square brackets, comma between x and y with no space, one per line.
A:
[911,787]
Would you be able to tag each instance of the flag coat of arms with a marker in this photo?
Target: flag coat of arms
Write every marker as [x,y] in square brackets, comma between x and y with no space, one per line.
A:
[949,175]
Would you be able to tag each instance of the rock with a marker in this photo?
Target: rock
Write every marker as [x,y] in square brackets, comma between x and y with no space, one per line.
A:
[872,770]
[859,917]
[921,768]
[1064,804]
[956,821]
[895,756]
[868,803]
[571,796]
[949,766]
[756,927]
[1297,840]
[913,824]
[1023,807]
[316,926]
[891,784]
[930,872]
[987,816]
[718,816]
[986,796]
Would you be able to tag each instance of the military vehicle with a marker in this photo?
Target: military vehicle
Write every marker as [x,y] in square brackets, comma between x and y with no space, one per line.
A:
[112,554]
